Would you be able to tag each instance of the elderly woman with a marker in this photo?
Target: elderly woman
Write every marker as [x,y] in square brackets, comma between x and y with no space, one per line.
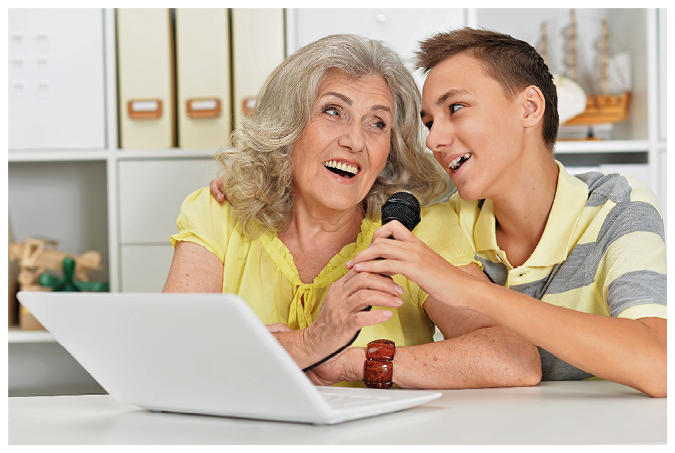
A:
[334,133]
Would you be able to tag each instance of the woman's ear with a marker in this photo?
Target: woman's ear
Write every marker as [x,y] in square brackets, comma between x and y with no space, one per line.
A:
[533,104]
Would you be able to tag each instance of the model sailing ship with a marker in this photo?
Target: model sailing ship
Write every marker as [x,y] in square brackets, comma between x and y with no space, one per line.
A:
[602,106]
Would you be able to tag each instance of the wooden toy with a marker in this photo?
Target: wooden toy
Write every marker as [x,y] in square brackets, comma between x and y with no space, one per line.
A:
[36,256]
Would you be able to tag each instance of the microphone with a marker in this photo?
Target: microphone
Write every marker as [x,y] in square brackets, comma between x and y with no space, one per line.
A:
[404,207]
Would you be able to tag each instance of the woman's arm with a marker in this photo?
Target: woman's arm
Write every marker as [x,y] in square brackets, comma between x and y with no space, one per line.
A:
[630,352]
[194,270]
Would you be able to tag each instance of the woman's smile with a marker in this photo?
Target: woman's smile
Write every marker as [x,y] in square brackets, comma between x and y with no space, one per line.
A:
[345,171]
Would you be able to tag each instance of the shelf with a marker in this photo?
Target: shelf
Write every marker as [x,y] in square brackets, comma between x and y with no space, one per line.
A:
[130,154]
[15,335]
[56,155]
[102,155]
[601,146]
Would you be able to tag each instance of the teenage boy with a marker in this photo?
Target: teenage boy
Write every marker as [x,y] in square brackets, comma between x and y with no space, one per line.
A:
[578,262]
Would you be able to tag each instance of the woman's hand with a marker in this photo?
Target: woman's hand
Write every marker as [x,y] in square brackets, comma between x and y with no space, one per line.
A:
[407,255]
[217,191]
[341,315]
[346,366]
[328,373]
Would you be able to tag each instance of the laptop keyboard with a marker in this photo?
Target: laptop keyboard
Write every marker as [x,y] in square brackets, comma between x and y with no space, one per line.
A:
[338,401]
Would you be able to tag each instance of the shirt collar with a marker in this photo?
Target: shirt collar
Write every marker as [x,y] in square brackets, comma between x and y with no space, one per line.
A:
[570,198]
[484,233]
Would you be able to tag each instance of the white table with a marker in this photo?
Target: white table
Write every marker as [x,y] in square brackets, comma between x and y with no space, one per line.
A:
[582,412]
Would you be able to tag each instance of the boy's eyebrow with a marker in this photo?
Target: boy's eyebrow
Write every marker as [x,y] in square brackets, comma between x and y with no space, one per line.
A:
[445,96]
[449,94]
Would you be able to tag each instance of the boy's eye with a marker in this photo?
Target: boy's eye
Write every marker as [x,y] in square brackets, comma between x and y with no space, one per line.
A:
[455,107]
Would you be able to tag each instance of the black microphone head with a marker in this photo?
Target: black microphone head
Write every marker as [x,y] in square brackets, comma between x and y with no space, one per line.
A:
[404,207]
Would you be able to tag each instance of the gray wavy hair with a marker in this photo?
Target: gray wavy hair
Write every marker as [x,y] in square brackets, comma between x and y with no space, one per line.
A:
[258,170]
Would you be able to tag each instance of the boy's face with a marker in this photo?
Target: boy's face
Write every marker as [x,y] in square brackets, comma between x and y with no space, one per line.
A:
[475,132]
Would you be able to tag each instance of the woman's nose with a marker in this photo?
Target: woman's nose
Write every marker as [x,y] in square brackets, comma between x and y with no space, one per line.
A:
[353,138]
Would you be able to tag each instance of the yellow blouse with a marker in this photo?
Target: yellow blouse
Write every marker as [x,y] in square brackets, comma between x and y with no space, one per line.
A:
[263,273]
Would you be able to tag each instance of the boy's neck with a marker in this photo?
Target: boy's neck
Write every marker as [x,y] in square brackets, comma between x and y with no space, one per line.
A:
[522,211]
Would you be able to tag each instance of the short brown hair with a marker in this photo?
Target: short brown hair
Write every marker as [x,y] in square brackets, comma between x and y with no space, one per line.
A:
[513,63]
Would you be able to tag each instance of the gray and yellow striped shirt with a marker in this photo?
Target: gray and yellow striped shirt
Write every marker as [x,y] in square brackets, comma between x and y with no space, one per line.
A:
[603,251]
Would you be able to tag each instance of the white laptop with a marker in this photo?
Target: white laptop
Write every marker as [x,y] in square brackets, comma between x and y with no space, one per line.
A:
[201,354]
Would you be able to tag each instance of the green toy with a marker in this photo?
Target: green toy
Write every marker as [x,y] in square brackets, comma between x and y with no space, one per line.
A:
[67,283]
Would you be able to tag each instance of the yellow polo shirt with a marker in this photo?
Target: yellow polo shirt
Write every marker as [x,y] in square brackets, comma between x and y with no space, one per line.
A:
[602,252]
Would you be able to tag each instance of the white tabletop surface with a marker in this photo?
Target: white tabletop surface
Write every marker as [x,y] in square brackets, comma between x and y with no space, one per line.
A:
[581,412]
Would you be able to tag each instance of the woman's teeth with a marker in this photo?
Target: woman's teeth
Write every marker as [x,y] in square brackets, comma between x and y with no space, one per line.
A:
[352,169]
[456,163]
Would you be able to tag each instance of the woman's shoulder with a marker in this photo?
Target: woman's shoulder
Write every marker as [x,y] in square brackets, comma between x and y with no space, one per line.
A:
[201,200]
[200,208]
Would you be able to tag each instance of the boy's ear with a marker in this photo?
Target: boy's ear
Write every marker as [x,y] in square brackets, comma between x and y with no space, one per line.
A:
[533,104]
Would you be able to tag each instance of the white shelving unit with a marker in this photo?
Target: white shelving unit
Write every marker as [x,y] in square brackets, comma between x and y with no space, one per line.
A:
[110,157]
[643,137]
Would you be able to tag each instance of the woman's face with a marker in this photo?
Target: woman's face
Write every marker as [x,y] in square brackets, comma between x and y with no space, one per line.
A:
[345,144]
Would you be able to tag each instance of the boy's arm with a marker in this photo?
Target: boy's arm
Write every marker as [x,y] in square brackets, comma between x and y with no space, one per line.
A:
[476,353]
[627,351]
[216,187]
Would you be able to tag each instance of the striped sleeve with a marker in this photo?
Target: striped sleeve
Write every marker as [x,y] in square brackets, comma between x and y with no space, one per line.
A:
[634,276]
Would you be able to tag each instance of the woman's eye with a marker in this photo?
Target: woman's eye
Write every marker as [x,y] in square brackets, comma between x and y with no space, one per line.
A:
[379,124]
[455,107]
[428,124]
[331,110]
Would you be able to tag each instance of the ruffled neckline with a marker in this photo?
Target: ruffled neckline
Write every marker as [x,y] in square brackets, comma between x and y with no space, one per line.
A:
[335,268]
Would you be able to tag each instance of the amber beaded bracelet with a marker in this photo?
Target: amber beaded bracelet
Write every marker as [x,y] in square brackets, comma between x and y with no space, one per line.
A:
[378,369]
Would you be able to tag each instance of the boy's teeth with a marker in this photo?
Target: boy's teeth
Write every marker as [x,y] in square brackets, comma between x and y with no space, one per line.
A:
[455,163]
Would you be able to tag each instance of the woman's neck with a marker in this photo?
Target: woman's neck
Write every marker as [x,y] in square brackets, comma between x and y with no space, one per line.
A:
[315,238]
